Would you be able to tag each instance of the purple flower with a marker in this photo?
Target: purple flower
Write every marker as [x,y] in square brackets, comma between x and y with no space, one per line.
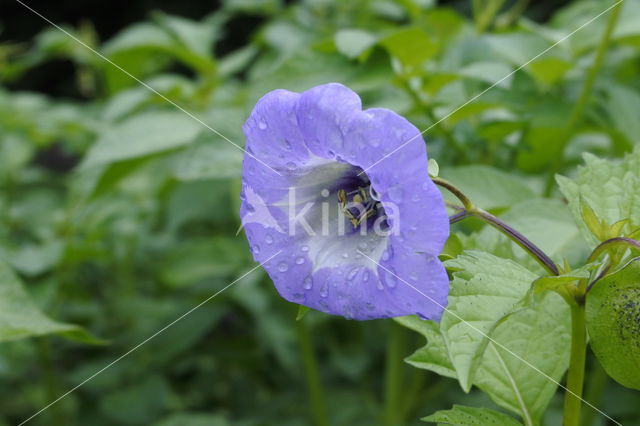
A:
[343,228]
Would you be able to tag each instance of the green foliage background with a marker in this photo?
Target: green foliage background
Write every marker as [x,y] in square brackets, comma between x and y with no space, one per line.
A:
[118,210]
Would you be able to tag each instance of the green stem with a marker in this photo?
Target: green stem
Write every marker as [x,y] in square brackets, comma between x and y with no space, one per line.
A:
[316,393]
[50,381]
[597,383]
[393,379]
[470,209]
[575,377]
[585,93]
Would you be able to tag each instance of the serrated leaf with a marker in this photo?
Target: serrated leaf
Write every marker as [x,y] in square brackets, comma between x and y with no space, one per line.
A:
[142,135]
[611,188]
[460,415]
[485,289]
[613,322]
[21,318]
[521,373]
[433,356]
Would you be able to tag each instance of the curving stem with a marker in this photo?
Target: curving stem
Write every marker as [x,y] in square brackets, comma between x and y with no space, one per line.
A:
[471,210]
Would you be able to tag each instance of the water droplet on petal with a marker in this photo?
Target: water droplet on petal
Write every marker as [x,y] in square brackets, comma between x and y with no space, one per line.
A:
[353,273]
[262,124]
[396,194]
[365,275]
[304,248]
[255,249]
[324,291]
[286,144]
[268,239]
[386,255]
[379,285]
[307,283]
[391,278]
[282,266]
[291,165]
[299,260]
[369,306]
[345,255]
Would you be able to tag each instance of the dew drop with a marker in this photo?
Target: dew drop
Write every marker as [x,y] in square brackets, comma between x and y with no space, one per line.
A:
[282,266]
[345,255]
[291,165]
[307,283]
[324,291]
[268,239]
[369,306]
[386,255]
[304,248]
[286,144]
[262,124]
[365,275]
[255,249]
[299,260]
[353,273]
[380,286]
[391,278]
[396,194]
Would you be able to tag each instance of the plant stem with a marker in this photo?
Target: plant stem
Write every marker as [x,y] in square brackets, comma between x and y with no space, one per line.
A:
[471,210]
[50,381]
[575,377]
[585,93]
[597,383]
[316,394]
[537,253]
[611,243]
[393,379]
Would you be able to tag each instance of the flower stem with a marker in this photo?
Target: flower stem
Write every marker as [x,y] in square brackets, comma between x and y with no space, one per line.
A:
[596,385]
[471,210]
[537,253]
[393,380]
[575,377]
[316,393]
[611,243]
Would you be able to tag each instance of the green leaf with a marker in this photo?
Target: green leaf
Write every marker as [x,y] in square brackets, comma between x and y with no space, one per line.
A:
[613,322]
[460,415]
[521,374]
[610,188]
[210,157]
[142,135]
[352,42]
[565,285]
[488,187]
[433,356]
[549,70]
[21,318]
[411,46]
[484,290]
